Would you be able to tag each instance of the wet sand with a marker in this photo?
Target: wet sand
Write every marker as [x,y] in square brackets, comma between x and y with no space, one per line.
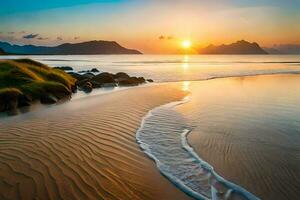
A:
[248,129]
[84,149]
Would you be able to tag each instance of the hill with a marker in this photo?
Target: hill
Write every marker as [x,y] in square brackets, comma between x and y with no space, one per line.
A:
[83,48]
[239,47]
[284,49]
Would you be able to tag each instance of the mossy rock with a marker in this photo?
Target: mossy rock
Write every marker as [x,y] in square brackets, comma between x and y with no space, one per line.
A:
[12,98]
[31,80]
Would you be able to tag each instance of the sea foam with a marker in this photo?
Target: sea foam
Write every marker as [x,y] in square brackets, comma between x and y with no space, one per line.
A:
[163,137]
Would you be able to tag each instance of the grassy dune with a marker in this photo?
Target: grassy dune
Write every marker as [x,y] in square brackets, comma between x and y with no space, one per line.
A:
[27,80]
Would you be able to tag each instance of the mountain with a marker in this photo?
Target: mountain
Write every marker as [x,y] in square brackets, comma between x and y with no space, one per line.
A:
[239,47]
[272,50]
[284,49]
[83,48]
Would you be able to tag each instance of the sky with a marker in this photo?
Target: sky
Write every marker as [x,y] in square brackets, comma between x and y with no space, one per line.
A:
[152,26]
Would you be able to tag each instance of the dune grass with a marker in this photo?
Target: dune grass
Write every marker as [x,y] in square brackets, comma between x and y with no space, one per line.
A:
[34,79]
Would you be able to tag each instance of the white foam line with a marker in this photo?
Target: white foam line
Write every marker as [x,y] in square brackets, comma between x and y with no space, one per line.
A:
[187,147]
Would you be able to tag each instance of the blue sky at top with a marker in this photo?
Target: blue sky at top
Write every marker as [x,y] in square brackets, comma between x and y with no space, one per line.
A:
[138,23]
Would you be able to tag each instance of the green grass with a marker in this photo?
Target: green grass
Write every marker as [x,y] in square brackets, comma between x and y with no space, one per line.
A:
[33,78]
[9,92]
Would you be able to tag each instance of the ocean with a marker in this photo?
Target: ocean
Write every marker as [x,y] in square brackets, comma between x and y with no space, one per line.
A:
[169,68]
[234,136]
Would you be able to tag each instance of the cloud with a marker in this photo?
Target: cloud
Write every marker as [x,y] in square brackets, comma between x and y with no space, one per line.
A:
[165,37]
[76,38]
[42,38]
[161,37]
[59,38]
[30,36]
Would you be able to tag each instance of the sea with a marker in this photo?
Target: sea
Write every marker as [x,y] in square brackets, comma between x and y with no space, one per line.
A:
[236,134]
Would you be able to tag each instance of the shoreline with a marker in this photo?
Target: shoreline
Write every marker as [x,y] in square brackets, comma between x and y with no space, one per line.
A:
[219,182]
[118,141]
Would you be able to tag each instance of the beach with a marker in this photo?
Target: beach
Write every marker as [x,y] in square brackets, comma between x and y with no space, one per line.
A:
[84,149]
[231,134]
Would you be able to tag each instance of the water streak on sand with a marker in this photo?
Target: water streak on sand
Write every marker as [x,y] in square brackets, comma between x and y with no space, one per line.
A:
[163,137]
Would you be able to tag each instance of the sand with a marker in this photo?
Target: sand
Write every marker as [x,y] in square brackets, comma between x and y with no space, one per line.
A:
[84,149]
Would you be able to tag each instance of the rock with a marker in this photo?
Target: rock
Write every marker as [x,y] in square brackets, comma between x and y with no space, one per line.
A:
[88,75]
[81,83]
[96,84]
[77,76]
[94,70]
[132,81]
[150,80]
[9,99]
[48,99]
[104,78]
[23,100]
[65,68]
[74,88]
[88,87]
[121,75]
[109,85]
[59,91]
[141,79]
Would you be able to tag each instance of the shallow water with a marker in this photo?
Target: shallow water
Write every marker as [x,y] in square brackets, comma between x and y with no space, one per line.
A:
[165,68]
[246,128]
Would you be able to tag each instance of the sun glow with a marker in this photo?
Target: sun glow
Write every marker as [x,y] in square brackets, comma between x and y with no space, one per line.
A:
[186,44]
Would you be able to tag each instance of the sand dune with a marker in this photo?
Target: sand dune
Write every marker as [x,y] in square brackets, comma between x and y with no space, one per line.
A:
[84,149]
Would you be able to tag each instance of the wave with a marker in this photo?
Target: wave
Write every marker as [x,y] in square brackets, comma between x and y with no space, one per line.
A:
[163,137]
[208,62]
[67,60]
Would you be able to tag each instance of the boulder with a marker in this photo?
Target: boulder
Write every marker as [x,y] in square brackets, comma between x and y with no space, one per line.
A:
[88,75]
[74,88]
[23,100]
[88,87]
[121,75]
[96,84]
[109,85]
[77,76]
[95,70]
[9,99]
[103,78]
[65,68]
[132,81]
[81,83]
[141,80]
[150,80]
[59,91]
[48,99]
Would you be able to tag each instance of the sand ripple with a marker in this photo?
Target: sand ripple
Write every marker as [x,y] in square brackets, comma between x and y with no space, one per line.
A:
[84,149]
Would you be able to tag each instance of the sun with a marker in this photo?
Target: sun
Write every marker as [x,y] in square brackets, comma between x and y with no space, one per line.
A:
[186,44]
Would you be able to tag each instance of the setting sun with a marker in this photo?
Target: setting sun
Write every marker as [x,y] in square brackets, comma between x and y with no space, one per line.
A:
[186,44]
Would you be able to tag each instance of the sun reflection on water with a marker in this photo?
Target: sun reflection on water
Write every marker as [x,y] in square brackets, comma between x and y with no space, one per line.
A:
[186,86]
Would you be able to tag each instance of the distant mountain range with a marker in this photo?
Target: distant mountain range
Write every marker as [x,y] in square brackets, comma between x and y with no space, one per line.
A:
[83,48]
[239,47]
[284,49]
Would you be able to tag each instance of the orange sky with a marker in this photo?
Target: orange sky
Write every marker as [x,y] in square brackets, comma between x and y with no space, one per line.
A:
[139,24]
